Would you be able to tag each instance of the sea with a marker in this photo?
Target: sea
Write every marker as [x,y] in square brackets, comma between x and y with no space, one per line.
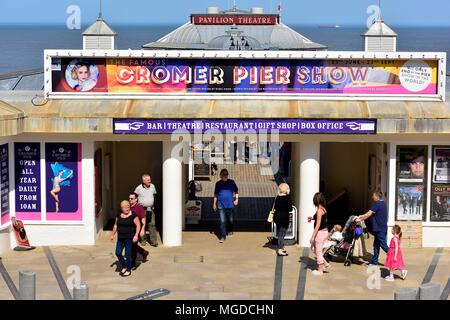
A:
[22,47]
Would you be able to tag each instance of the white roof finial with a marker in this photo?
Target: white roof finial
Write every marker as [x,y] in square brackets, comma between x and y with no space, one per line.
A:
[100,14]
[379,11]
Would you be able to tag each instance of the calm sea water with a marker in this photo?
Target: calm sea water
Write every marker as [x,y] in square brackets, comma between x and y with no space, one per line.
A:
[22,47]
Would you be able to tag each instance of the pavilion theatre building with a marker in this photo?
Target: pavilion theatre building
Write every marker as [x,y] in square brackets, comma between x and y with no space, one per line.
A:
[97,118]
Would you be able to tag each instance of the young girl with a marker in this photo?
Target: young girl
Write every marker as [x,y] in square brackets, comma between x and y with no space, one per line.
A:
[394,260]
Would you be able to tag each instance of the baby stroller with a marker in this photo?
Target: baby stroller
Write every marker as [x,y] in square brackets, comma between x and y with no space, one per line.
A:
[351,232]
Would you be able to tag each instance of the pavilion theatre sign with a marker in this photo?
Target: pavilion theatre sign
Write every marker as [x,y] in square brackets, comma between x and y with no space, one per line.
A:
[246,126]
[231,74]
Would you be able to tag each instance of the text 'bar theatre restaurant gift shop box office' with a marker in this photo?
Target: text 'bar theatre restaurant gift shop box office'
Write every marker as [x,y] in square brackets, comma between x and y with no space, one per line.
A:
[96,118]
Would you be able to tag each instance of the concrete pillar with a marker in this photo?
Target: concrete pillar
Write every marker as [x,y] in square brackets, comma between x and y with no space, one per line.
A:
[172,196]
[27,285]
[81,291]
[430,291]
[308,155]
[184,190]
[405,294]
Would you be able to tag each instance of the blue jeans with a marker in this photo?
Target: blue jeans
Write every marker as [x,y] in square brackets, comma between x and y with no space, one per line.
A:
[379,241]
[128,245]
[226,221]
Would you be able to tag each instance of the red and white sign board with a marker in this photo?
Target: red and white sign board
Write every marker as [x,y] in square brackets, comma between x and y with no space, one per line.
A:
[234,19]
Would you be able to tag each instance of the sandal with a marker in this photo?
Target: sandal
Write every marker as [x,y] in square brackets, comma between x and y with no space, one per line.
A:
[126,274]
[123,271]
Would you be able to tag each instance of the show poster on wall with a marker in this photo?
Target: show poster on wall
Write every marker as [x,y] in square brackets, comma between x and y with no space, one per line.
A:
[441,172]
[28,181]
[4,183]
[412,164]
[440,202]
[411,182]
[338,77]
[63,181]
[410,202]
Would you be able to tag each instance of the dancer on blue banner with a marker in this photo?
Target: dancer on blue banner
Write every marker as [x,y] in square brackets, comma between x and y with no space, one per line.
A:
[61,179]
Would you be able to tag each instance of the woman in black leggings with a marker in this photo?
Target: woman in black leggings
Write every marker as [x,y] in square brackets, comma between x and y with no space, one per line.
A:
[283,207]
[127,227]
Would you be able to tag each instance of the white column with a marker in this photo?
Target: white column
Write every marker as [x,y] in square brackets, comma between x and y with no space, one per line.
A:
[392,184]
[172,197]
[308,155]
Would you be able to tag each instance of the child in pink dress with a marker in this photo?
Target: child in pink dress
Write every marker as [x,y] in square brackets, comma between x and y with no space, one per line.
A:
[394,259]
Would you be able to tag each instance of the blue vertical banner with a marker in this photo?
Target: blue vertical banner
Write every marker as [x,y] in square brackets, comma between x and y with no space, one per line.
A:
[63,180]
[4,183]
[28,180]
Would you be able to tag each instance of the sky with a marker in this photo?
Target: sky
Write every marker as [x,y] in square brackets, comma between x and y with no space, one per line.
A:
[175,12]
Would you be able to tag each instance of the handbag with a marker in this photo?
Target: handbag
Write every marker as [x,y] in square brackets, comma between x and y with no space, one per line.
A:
[270,217]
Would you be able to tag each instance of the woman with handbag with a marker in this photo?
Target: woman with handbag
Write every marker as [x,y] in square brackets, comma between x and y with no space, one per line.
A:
[281,210]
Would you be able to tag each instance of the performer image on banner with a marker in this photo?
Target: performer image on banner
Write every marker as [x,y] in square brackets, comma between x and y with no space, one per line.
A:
[82,75]
[61,179]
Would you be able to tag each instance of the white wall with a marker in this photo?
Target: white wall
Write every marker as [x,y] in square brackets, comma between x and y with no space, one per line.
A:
[436,236]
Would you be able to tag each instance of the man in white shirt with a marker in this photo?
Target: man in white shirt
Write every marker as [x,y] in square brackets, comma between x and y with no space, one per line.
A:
[146,192]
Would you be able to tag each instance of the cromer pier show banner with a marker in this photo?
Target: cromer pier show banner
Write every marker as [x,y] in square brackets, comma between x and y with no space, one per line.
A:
[79,75]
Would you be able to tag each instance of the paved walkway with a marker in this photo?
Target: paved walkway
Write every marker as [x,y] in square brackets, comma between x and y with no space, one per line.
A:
[241,268]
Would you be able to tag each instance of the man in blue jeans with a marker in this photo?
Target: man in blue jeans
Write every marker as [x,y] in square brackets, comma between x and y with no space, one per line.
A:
[378,216]
[226,197]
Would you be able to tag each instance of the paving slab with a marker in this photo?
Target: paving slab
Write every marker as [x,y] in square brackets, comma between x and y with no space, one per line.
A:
[241,268]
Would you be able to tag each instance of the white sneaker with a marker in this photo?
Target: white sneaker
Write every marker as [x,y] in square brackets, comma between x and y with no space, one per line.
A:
[404,273]
[389,278]
[317,273]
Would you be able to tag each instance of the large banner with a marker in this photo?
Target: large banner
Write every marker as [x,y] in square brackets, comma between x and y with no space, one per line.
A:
[305,126]
[4,183]
[63,181]
[28,180]
[336,77]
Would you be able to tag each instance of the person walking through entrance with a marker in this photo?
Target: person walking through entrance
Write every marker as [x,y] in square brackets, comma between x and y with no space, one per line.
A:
[283,207]
[127,228]
[146,195]
[139,211]
[378,217]
[320,234]
[226,197]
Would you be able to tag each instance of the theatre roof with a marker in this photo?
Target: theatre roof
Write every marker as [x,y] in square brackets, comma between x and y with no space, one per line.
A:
[191,36]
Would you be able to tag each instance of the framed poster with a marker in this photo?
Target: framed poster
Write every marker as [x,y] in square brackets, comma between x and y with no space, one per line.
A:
[441,164]
[440,202]
[28,180]
[4,183]
[410,202]
[63,181]
[412,164]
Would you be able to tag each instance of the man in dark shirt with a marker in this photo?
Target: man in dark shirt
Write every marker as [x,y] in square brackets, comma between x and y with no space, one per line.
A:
[140,212]
[378,216]
[225,198]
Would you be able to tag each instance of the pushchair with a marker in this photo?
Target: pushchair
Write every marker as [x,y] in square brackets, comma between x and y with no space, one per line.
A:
[351,232]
